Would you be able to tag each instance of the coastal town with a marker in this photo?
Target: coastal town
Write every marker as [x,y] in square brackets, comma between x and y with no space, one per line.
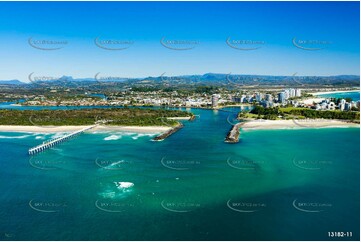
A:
[180,120]
[275,106]
[295,97]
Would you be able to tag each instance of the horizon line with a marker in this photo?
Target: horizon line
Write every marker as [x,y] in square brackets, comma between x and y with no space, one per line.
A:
[180,75]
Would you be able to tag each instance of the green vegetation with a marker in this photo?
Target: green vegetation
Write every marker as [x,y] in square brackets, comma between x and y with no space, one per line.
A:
[145,89]
[290,108]
[338,100]
[246,114]
[266,113]
[206,89]
[113,116]
[299,113]
[313,114]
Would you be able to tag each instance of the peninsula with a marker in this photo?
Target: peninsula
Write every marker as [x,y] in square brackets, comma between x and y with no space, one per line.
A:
[115,119]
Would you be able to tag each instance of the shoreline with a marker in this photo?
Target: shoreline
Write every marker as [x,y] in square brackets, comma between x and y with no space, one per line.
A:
[53,129]
[332,92]
[180,118]
[297,124]
[247,125]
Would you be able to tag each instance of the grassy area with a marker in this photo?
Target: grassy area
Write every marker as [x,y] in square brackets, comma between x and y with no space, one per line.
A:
[289,109]
[299,113]
[248,115]
[114,116]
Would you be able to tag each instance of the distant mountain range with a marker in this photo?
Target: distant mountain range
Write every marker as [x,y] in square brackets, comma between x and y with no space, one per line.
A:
[11,82]
[208,78]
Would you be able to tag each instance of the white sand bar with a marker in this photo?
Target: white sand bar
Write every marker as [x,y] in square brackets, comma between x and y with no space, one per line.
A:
[296,124]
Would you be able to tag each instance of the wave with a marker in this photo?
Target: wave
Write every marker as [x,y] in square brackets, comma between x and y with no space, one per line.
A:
[14,137]
[121,190]
[124,185]
[119,135]
[100,132]
[142,135]
[113,137]
[58,135]
[129,133]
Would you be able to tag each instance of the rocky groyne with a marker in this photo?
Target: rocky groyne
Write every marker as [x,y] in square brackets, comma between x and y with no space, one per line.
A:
[168,133]
[233,134]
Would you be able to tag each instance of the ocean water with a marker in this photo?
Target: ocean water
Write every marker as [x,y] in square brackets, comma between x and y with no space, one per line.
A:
[291,184]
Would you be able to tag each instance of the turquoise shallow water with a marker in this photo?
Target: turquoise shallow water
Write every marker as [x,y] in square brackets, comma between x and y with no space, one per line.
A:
[355,96]
[273,185]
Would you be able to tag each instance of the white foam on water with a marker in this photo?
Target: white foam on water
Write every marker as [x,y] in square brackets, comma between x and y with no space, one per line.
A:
[119,135]
[14,137]
[122,190]
[113,137]
[129,133]
[135,137]
[58,135]
[142,135]
[38,133]
[100,132]
[122,185]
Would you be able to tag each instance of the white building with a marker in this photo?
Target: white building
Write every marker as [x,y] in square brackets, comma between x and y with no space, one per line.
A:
[215,98]
[286,94]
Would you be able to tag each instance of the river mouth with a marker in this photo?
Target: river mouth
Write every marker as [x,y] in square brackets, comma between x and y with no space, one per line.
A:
[188,178]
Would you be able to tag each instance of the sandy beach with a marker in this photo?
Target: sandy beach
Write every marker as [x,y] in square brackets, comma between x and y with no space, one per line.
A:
[316,99]
[180,118]
[330,92]
[296,124]
[137,129]
[310,101]
[51,129]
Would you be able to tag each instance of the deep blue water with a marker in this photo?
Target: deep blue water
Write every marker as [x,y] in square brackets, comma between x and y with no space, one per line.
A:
[295,184]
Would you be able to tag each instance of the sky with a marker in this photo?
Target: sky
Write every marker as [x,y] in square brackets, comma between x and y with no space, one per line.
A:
[140,39]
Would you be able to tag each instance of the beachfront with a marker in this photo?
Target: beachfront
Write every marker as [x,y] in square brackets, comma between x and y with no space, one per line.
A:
[332,92]
[253,124]
[51,129]
[297,124]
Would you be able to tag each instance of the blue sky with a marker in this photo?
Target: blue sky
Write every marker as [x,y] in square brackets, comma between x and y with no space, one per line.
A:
[332,26]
